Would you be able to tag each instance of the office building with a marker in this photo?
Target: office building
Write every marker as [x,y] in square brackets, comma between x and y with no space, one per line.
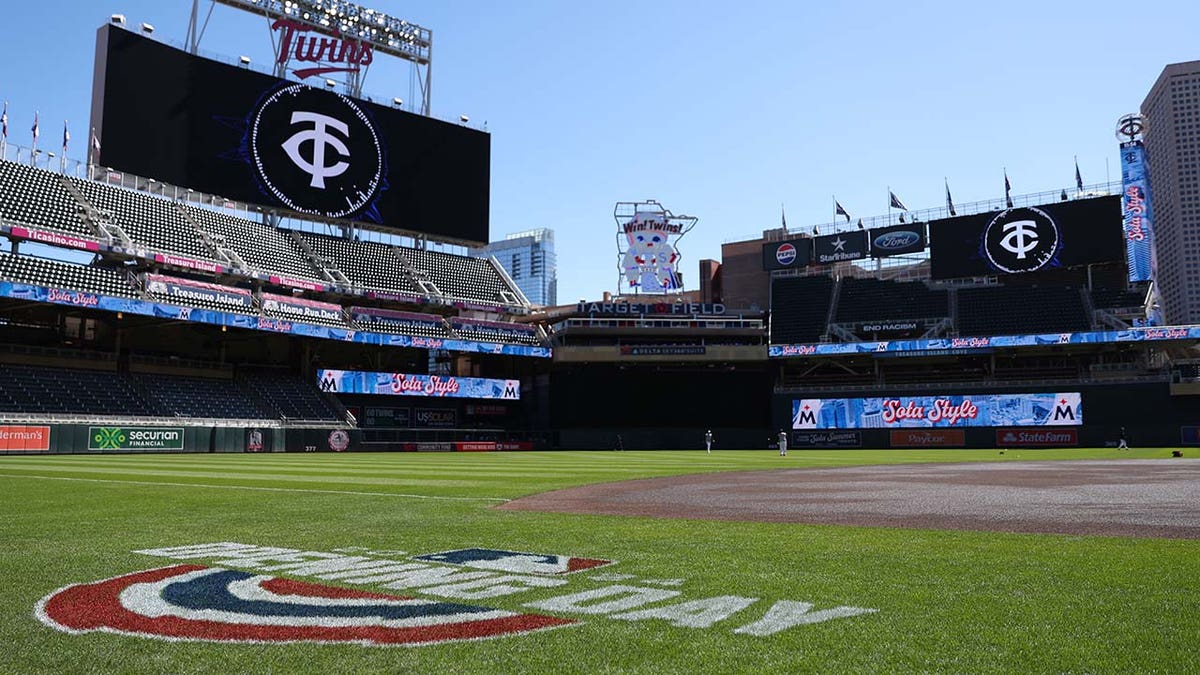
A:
[1172,139]
[529,259]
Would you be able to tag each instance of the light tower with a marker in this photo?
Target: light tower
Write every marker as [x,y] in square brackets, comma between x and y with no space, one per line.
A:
[333,39]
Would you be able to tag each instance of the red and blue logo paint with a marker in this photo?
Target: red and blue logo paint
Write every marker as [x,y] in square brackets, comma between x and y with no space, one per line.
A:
[213,604]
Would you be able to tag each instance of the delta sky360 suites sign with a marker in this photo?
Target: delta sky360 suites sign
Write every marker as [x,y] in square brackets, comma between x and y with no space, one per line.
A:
[228,592]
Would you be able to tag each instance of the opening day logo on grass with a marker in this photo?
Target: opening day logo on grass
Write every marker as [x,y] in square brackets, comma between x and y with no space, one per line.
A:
[135,438]
[236,598]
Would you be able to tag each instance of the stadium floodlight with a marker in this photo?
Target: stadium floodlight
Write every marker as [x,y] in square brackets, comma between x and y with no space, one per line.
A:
[118,19]
[330,84]
[464,119]
[398,102]
[244,60]
[344,21]
[147,28]
[339,19]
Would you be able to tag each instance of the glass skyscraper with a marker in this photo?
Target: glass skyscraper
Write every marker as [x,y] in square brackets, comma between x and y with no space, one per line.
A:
[529,259]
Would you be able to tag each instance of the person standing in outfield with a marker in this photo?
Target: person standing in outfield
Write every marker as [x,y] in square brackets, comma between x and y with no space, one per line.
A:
[708,441]
[1123,443]
[782,443]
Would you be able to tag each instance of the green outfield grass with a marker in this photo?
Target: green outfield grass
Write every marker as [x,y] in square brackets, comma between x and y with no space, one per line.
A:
[946,601]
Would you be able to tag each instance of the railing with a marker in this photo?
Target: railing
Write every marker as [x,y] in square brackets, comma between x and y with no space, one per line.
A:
[938,213]
[990,382]
[130,420]
[44,159]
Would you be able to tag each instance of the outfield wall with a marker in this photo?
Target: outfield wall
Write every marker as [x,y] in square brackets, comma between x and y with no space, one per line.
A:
[31,438]
[1150,414]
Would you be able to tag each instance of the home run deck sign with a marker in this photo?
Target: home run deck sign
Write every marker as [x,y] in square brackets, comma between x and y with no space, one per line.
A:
[227,592]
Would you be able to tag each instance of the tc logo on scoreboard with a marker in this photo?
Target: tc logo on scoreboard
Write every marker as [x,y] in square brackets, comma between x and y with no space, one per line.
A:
[316,152]
[1021,240]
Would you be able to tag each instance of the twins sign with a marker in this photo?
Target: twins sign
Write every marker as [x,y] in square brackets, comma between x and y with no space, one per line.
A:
[231,592]
[986,410]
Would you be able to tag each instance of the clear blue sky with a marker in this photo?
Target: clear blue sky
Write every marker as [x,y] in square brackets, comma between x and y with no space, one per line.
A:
[720,110]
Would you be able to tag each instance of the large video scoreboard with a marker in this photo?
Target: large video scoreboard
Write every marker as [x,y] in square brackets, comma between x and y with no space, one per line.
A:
[163,113]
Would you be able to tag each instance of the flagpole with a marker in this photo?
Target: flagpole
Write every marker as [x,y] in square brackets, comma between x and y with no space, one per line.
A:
[889,220]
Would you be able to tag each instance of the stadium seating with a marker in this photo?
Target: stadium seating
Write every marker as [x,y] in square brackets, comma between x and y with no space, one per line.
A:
[800,307]
[200,397]
[100,393]
[1017,310]
[55,391]
[264,248]
[460,277]
[288,396]
[874,300]
[38,198]
[56,274]
[365,264]
[150,221]
[1111,298]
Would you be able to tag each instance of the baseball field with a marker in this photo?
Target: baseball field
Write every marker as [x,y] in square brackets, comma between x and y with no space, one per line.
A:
[1081,560]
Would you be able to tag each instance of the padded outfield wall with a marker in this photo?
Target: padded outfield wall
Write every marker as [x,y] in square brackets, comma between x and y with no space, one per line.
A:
[1150,414]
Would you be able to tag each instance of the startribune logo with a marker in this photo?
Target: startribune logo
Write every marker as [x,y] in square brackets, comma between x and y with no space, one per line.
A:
[316,152]
[1021,240]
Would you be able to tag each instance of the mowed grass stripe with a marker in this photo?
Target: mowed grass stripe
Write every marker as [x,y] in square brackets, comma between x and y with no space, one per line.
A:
[255,487]
[228,475]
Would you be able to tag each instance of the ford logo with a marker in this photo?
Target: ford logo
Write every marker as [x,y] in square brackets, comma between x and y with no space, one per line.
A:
[785,254]
[892,241]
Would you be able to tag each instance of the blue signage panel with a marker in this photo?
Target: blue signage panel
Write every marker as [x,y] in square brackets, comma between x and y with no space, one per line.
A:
[106,303]
[975,344]
[1135,208]
[900,412]
[405,384]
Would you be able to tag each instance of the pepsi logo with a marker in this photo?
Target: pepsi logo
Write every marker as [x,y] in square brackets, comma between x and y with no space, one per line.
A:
[894,241]
[213,604]
[785,254]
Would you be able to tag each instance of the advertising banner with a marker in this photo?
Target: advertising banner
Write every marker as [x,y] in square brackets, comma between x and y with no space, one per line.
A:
[786,255]
[135,438]
[983,344]
[1027,239]
[928,438]
[897,240]
[1138,217]
[301,309]
[189,263]
[834,248]
[494,329]
[375,416]
[186,290]
[983,410]
[1035,438]
[405,384]
[401,320]
[827,439]
[305,284]
[21,438]
[435,417]
[54,238]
